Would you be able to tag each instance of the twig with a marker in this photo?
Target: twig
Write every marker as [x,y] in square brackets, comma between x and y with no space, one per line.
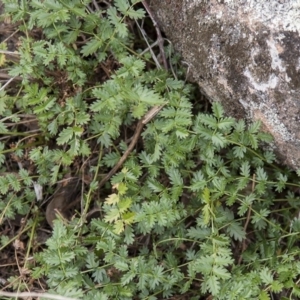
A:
[96,5]
[9,52]
[33,294]
[7,83]
[6,76]
[147,118]
[149,46]
[159,36]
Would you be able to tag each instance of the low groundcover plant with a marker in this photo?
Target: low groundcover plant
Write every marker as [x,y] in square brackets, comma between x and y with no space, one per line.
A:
[197,210]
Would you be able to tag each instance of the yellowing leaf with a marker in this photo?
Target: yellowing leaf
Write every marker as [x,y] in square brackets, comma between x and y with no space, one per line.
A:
[264,295]
[115,186]
[206,195]
[3,46]
[122,188]
[206,214]
[112,199]
[124,204]
[77,130]
[118,227]
[124,170]
[128,218]
[2,59]
[112,216]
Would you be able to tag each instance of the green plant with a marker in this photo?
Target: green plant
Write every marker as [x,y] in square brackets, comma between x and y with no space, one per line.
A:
[201,210]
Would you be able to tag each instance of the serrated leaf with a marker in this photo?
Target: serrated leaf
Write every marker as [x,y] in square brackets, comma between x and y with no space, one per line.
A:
[280,185]
[219,183]
[198,181]
[84,148]
[128,217]
[77,130]
[266,276]
[24,174]
[209,120]
[264,295]
[65,136]
[204,132]
[148,96]
[236,231]
[206,214]
[239,151]
[112,199]
[14,182]
[121,27]
[206,196]
[61,54]
[139,110]
[218,110]
[240,126]
[105,140]
[168,112]
[82,118]
[253,141]
[54,174]
[3,128]
[110,159]
[261,175]
[122,188]
[38,48]
[245,169]
[74,147]
[265,137]
[99,275]
[118,227]
[53,127]
[127,277]
[254,127]
[269,156]
[113,15]
[112,216]
[213,285]
[122,5]
[136,13]
[121,265]
[91,47]
[174,83]
[91,261]
[155,186]
[277,286]
[175,177]
[218,139]
[198,233]
[169,125]
[220,272]
[45,106]
[182,133]
[226,123]
[124,204]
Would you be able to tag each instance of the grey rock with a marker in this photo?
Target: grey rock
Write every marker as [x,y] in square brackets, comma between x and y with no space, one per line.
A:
[246,55]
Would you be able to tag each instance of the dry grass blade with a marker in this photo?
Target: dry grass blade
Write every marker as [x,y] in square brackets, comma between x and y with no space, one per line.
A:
[30,295]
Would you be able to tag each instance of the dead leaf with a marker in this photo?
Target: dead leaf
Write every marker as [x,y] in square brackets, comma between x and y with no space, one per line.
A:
[18,245]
